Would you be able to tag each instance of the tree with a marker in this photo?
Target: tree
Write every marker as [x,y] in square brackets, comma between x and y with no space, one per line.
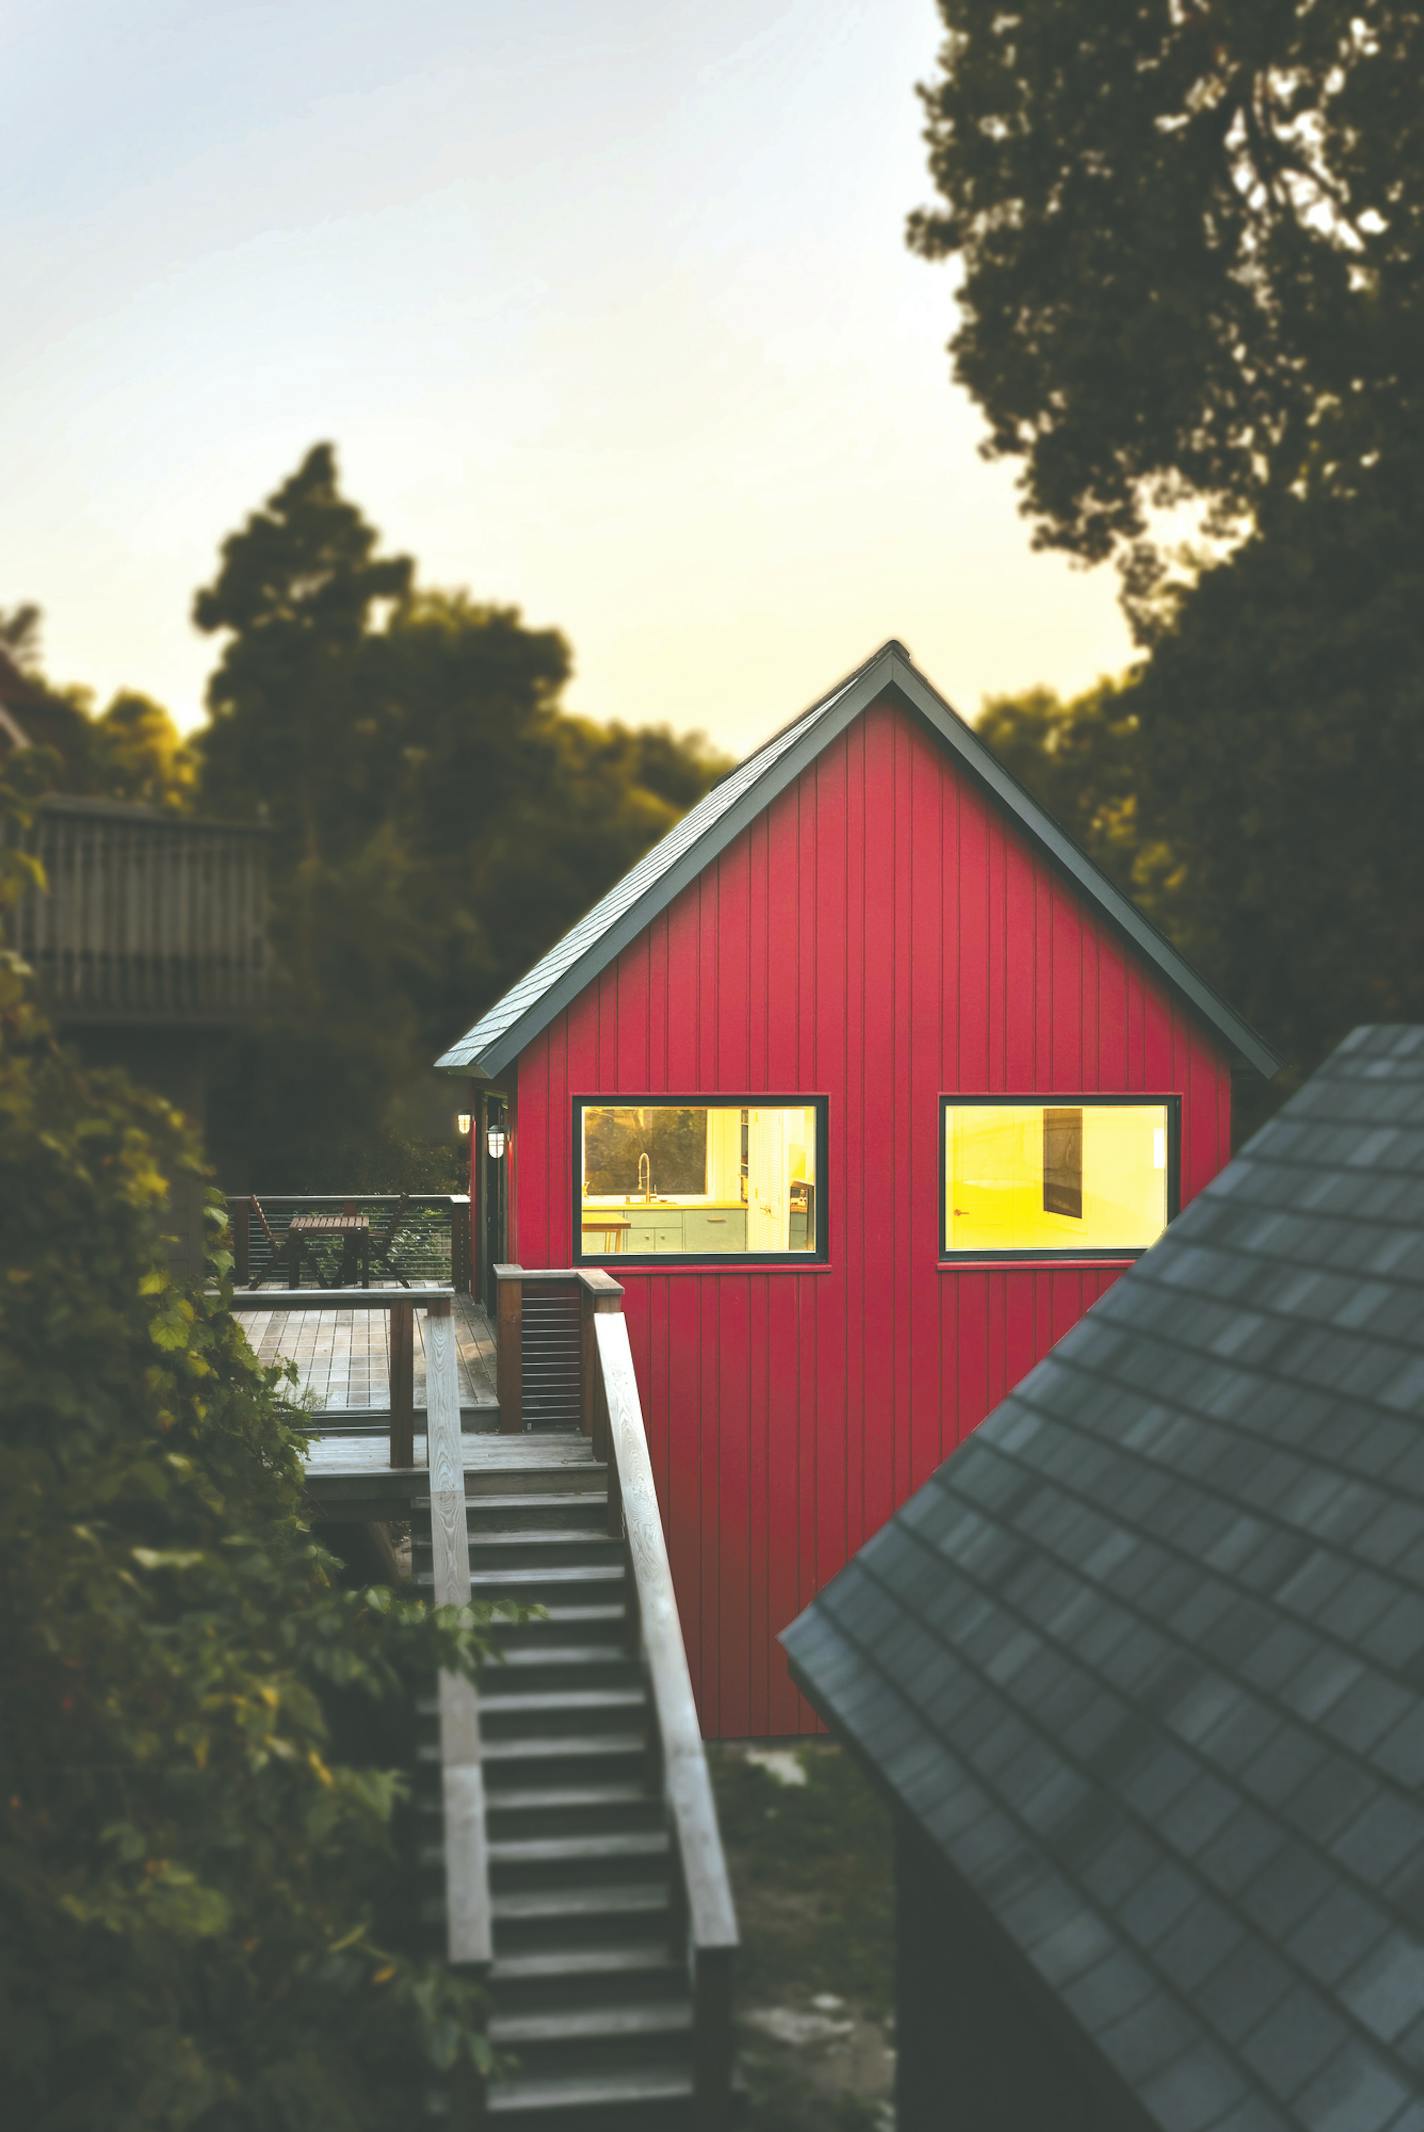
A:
[131,751]
[1191,242]
[137,754]
[297,593]
[204,1919]
[1281,764]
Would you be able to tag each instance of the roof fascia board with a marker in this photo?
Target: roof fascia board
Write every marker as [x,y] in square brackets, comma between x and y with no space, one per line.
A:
[871,683]
[1006,788]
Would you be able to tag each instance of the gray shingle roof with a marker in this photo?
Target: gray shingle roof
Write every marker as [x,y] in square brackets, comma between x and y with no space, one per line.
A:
[1145,1657]
[632,903]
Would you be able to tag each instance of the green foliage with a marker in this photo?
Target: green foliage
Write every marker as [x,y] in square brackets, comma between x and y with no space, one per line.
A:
[296,594]
[1282,760]
[203,1917]
[1191,243]
[131,751]
[139,754]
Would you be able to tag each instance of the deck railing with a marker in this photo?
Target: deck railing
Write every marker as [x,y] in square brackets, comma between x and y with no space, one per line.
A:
[584,1352]
[146,916]
[421,1236]
[402,1304]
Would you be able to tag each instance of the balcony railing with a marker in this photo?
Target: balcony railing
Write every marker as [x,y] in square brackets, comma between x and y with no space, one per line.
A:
[417,1236]
[147,916]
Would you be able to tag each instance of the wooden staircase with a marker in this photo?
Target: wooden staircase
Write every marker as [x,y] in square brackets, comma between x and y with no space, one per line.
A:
[592,2006]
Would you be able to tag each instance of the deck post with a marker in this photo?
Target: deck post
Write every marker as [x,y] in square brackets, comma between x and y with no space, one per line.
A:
[509,1348]
[240,1216]
[402,1381]
[460,1266]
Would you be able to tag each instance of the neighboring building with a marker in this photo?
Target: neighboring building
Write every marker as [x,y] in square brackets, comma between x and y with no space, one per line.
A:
[149,943]
[866,1083]
[1142,1669]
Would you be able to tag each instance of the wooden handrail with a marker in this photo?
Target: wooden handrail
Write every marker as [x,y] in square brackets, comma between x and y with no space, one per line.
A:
[469,1932]
[708,1910]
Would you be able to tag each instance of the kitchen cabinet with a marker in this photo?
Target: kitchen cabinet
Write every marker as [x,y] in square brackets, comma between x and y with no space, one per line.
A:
[683,1229]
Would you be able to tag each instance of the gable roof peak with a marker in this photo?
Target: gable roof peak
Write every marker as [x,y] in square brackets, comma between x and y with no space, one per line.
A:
[691,845]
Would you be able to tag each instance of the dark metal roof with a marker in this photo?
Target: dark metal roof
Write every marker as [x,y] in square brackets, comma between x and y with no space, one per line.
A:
[572,964]
[1145,1658]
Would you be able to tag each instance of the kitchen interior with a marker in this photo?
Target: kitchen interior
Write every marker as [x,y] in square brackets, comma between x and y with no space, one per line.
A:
[697,1180]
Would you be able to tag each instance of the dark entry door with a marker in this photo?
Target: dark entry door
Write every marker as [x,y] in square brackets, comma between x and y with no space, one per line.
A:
[494,1170]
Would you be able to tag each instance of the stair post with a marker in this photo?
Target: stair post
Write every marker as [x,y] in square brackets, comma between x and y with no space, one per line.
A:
[712,2039]
[509,1348]
[597,1291]
[402,1379]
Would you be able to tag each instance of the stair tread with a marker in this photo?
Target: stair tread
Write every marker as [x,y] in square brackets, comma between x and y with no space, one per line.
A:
[604,1899]
[563,1798]
[556,1536]
[540,1499]
[563,1699]
[548,1573]
[659,2017]
[625,2088]
[555,1617]
[574,1962]
[562,1745]
[616,1843]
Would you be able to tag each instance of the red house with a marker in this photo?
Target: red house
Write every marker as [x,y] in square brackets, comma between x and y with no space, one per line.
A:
[865,1083]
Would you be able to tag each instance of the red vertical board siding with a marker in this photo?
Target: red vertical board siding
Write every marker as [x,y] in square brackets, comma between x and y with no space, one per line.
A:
[881,936]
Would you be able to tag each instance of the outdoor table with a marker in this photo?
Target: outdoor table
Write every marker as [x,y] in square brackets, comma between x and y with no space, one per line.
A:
[354,1231]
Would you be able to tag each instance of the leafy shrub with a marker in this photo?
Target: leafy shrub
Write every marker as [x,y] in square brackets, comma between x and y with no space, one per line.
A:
[204,1919]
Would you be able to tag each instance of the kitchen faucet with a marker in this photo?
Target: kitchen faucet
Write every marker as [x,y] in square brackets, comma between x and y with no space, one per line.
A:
[645,1177]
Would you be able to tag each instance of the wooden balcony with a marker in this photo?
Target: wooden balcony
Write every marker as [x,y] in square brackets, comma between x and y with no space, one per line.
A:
[148,918]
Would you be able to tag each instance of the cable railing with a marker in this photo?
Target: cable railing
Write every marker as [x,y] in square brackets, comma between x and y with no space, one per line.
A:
[421,1237]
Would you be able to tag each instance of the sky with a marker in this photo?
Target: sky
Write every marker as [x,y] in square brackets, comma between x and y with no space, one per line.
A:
[605,304]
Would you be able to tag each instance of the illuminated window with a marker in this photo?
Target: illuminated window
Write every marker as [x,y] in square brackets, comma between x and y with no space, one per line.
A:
[1056,1179]
[699,1180]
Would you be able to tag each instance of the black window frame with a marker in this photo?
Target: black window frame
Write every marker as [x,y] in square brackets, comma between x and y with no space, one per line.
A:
[729,1261]
[1044,1254]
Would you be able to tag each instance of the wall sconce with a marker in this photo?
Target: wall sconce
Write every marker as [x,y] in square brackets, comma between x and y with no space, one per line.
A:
[462,1124]
[495,1140]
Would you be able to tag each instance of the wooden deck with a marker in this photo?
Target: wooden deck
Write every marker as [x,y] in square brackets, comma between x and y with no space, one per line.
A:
[343,1369]
[343,1357]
